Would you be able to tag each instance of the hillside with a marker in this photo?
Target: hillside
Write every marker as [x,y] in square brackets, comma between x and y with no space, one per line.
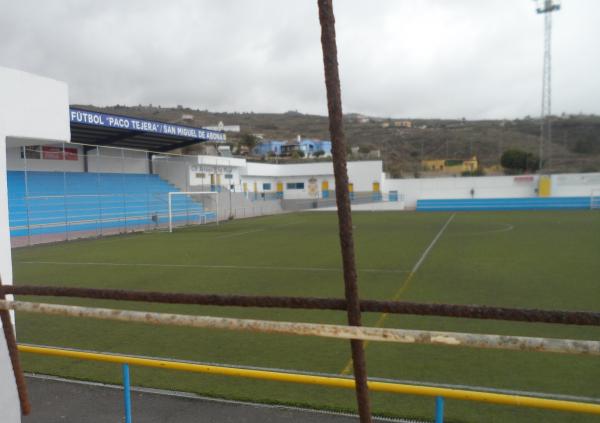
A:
[575,146]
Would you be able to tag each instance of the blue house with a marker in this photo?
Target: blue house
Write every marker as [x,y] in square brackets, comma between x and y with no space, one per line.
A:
[267,147]
[310,147]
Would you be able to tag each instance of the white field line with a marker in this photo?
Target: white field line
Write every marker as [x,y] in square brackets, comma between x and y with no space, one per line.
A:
[233,234]
[288,224]
[206,266]
[404,286]
[431,245]
[505,227]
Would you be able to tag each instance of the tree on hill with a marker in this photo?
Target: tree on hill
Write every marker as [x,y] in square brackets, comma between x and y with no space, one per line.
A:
[364,149]
[249,140]
[518,161]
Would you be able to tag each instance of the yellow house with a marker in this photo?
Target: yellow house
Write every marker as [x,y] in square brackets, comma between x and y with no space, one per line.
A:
[403,123]
[450,166]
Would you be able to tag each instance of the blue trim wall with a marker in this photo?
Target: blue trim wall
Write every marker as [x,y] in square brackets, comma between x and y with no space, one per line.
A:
[483,204]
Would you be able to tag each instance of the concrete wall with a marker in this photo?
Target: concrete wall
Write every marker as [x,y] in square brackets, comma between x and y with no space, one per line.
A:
[567,185]
[174,169]
[576,184]
[100,159]
[15,162]
[112,160]
[33,111]
[483,187]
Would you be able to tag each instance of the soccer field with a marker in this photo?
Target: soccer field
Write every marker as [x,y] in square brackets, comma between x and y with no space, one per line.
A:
[547,260]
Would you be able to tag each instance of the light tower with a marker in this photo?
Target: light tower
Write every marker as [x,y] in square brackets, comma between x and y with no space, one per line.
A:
[546,7]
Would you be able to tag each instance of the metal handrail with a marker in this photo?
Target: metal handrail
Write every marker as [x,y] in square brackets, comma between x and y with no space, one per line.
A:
[310,379]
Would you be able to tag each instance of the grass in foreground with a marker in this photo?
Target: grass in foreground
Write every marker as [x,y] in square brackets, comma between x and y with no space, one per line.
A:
[529,259]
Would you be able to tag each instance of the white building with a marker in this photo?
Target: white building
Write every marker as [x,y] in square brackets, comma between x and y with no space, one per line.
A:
[288,181]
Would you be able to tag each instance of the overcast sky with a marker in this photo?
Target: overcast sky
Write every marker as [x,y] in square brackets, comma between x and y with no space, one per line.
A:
[400,58]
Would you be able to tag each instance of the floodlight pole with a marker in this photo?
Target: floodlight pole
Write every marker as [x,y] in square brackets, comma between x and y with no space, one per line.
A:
[338,140]
[546,8]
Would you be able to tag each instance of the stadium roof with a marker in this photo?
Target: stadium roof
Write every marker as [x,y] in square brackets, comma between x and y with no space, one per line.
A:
[90,127]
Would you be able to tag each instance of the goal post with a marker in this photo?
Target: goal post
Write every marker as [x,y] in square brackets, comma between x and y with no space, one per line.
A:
[199,206]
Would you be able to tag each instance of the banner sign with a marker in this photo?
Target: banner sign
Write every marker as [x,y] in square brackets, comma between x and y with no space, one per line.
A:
[52,153]
[523,179]
[70,153]
[212,169]
[86,117]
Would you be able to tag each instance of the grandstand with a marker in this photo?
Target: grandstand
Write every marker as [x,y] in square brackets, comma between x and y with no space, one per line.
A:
[43,203]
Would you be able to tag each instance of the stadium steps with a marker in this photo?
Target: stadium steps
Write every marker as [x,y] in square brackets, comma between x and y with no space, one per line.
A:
[54,202]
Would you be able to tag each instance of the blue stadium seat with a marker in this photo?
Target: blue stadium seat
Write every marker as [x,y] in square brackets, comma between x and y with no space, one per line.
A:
[55,202]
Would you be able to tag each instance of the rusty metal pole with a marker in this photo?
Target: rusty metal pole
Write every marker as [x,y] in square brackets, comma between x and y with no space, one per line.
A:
[11,345]
[342,194]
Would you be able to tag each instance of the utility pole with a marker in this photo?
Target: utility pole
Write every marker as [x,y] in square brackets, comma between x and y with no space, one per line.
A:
[546,7]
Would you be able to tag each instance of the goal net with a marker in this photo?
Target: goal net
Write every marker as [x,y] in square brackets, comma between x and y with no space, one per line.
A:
[595,199]
[192,208]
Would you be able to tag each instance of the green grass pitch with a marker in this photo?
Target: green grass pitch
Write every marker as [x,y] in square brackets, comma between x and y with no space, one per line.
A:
[519,259]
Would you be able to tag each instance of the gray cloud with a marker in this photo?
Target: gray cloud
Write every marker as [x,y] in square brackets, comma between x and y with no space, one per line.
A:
[413,58]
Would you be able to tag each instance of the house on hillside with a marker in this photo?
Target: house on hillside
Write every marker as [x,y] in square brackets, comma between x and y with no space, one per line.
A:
[450,166]
[268,147]
[403,124]
[309,147]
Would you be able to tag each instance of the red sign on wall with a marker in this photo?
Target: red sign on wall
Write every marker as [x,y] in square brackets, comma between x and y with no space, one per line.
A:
[58,153]
[70,154]
[52,153]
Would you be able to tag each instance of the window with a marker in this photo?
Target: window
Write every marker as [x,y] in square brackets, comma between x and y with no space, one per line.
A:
[200,175]
[295,185]
[266,187]
[31,152]
[228,176]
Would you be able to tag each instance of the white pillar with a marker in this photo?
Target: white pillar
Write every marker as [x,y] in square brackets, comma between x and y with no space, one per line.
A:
[33,110]
[9,400]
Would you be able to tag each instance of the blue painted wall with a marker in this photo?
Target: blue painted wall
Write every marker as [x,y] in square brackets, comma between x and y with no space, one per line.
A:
[312,146]
[483,204]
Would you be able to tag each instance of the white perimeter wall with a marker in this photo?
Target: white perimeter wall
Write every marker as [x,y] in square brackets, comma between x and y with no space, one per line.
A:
[576,185]
[33,111]
[567,185]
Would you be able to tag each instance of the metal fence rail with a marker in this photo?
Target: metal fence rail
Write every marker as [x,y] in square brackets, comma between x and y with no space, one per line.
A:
[581,347]
[329,381]
[563,317]
[363,333]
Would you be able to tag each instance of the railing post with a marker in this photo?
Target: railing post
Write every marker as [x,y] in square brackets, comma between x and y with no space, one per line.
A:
[439,409]
[127,393]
